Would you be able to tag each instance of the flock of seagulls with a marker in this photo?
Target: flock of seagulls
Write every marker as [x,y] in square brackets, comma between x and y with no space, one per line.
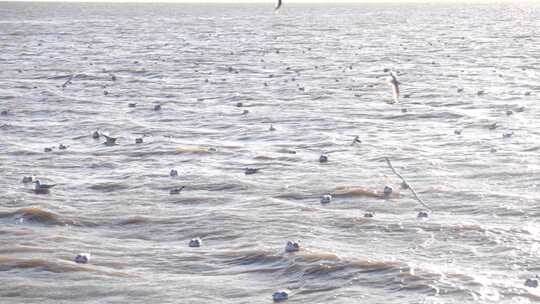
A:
[290,247]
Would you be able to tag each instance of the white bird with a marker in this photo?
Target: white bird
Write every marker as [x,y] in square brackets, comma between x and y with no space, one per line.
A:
[395,86]
[40,188]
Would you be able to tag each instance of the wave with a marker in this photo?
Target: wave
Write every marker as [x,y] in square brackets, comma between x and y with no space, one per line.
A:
[36,215]
[10,263]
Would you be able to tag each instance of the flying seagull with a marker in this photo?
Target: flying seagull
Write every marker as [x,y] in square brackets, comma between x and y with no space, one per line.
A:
[278,6]
[395,86]
[68,81]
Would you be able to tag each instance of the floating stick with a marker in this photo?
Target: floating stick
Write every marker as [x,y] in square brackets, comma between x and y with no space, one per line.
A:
[407,184]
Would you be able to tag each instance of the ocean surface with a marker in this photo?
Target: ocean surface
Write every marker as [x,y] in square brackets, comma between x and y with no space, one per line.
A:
[465,135]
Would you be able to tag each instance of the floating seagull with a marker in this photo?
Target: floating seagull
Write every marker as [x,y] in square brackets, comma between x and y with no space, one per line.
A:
[195,242]
[176,190]
[40,188]
[110,141]
[395,86]
[173,172]
[82,258]
[325,199]
[249,171]
[279,296]
[323,158]
[387,191]
[292,247]
[422,214]
[531,283]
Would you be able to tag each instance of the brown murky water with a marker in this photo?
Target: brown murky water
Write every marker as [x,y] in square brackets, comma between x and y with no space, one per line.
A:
[316,74]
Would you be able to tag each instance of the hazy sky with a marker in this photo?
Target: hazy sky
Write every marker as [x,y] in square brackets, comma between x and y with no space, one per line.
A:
[284,1]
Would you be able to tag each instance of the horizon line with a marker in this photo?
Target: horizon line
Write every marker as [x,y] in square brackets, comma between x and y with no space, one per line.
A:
[272,1]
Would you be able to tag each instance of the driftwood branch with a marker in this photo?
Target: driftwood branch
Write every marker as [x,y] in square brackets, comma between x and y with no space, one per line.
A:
[407,184]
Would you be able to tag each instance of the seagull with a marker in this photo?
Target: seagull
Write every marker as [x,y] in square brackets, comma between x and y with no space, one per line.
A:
[325,199]
[278,6]
[280,296]
[387,191]
[176,190]
[82,258]
[395,86]
[292,247]
[197,242]
[110,141]
[40,188]
[68,81]
[249,171]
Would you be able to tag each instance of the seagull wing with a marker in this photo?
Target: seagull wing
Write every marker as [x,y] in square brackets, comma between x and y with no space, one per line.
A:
[395,87]
[395,91]
[108,137]
[68,81]
[278,6]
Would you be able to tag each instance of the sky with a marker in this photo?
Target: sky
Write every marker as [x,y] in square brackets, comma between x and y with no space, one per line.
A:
[285,1]
[273,2]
